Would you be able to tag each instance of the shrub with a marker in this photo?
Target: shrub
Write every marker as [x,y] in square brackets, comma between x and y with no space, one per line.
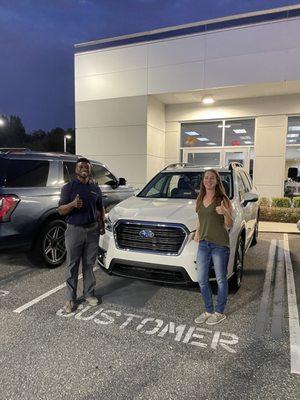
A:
[296,202]
[279,214]
[281,202]
[264,202]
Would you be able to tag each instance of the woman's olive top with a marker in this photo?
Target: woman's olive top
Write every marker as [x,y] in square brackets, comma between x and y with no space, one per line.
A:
[212,226]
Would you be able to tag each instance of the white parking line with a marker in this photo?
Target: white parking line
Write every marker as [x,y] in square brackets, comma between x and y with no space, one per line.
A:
[262,313]
[293,310]
[43,296]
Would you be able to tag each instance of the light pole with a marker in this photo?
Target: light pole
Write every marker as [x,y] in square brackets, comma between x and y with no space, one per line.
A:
[65,141]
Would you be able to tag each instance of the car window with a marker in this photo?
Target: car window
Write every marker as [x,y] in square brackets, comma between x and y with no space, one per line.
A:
[101,175]
[69,171]
[24,173]
[183,185]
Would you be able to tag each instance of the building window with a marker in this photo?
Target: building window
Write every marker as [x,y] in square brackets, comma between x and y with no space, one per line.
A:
[218,143]
[292,158]
[239,132]
[202,134]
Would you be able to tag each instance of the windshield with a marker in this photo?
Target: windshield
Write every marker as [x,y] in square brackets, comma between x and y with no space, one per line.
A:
[180,185]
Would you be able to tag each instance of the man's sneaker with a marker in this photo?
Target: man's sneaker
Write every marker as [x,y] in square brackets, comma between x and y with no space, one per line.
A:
[203,317]
[215,318]
[69,306]
[93,301]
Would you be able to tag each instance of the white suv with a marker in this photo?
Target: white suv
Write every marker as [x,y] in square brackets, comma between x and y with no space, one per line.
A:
[150,236]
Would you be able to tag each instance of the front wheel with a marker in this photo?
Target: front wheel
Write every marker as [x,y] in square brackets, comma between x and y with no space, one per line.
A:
[236,280]
[50,245]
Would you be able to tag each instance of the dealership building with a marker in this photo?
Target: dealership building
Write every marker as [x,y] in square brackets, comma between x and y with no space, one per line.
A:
[205,93]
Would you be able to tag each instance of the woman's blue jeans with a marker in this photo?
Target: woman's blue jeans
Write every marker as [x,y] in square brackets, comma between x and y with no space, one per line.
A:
[208,251]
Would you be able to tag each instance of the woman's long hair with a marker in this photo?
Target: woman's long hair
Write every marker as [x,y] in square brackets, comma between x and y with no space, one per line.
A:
[220,193]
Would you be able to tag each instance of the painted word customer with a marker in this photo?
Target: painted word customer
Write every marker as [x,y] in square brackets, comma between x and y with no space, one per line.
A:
[81,202]
[214,220]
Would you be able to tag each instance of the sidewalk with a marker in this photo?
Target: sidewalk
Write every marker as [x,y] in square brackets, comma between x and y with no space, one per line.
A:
[277,227]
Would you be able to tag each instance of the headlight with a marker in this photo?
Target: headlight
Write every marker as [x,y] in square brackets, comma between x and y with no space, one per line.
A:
[108,225]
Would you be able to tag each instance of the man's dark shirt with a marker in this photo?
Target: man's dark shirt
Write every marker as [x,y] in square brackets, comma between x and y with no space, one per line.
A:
[92,202]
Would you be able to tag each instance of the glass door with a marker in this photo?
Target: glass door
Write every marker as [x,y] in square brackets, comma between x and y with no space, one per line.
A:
[206,158]
[233,154]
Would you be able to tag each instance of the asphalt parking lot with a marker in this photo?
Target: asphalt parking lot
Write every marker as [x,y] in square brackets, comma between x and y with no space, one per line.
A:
[142,343]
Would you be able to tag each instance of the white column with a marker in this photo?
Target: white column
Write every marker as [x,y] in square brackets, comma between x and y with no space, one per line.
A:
[269,155]
[155,136]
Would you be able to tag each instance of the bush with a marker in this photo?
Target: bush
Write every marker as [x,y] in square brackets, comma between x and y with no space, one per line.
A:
[264,202]
[284,202]
[279,214]
[296,202]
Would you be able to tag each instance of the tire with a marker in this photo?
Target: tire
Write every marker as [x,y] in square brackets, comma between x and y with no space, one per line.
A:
[49,247]
[236,280]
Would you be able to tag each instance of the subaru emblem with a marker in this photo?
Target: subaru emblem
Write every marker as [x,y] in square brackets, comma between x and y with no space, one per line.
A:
[146,234]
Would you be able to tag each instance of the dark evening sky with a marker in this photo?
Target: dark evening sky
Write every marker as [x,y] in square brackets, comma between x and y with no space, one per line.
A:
[37,39]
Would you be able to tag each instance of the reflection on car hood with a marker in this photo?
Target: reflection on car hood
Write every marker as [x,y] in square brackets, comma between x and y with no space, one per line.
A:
[157,210]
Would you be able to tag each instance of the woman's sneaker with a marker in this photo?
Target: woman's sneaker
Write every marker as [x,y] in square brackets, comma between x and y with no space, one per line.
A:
[203,317]
[215,318]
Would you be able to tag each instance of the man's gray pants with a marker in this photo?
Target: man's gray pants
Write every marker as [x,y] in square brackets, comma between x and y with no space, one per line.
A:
[81,244]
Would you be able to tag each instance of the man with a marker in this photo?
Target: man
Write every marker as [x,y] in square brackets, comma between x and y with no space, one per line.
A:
[81,202]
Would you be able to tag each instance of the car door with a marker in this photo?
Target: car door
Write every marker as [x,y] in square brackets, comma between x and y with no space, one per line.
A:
[112,192]
[253,206]
[245,208]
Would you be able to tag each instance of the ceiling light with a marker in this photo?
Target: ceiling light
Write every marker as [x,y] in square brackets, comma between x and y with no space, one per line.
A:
[220,126]
[202,139]
[245,137]
[291,135]
[239,131]
[248,142]
[212,144]
[294,128]
[208,99]
[192,133]
[227,126]
[292,141]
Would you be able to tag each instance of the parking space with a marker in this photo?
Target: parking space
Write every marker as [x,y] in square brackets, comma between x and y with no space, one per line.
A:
[141,341]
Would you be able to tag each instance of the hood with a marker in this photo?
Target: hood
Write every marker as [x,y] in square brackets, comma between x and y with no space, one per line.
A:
[157,210]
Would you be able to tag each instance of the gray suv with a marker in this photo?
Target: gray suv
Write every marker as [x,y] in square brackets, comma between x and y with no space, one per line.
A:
[30,184]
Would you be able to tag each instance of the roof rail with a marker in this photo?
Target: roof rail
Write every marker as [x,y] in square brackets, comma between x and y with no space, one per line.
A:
[8,150]
[174,165]
[235,164]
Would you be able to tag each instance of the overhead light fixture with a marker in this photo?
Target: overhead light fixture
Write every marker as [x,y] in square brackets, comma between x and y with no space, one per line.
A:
[202,139]
[239,131]
[292,141]
[291,135]
[248,142]
[294,128]
[208,99]
[192,133]
[220,126]
[212,144]
[245,137]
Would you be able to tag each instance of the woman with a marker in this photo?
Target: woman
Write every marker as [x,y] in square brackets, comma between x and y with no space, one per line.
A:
[214,211]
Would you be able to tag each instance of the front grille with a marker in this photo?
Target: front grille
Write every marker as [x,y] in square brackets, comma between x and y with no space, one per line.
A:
[166,239]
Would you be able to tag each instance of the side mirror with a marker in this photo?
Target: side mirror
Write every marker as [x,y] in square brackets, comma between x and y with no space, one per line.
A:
[113,184]
[122,182]
[249,198]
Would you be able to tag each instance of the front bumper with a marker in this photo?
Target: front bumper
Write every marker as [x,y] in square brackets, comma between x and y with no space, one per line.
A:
[146,265]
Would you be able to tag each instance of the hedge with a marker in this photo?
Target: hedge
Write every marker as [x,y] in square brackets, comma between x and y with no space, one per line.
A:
[281,202]
[296,202]
[279,214]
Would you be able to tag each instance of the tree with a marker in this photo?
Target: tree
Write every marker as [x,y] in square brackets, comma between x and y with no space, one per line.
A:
[13,134]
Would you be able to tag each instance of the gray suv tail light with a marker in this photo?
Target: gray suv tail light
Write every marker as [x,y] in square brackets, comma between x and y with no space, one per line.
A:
[7,205]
